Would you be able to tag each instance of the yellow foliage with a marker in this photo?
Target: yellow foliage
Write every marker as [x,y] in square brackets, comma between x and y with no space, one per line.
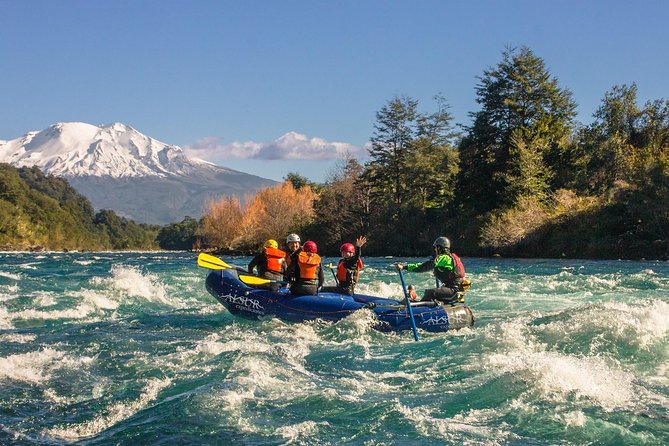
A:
[220,225]
[270,214]
[512,225]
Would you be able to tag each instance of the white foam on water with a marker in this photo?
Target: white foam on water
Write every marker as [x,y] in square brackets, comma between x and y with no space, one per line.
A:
[113,414]
[253,378]
[97,300]
[300,432]
[574,418]
[17,338]
[358,383]
[640,324]
[129,281]
[11,290]
[36,367]
[265,369]
[470,428]
[44,300]
[557,376]
[10,276]
[381,289]
[82,311]
[84,262]
[5,319]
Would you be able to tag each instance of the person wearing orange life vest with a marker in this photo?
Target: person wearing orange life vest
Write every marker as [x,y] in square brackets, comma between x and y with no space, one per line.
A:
[349,267]
[447,268]
[305,272]
[270,262]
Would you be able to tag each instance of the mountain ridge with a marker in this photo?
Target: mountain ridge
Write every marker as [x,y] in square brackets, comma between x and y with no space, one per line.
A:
[119,168]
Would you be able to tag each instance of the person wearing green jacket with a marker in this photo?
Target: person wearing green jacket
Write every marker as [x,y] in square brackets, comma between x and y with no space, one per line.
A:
[447,268]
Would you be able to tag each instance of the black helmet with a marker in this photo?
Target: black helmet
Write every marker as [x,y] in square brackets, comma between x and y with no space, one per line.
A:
[442,242]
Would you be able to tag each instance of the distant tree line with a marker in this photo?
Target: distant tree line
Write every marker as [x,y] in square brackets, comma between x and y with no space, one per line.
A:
[523,179]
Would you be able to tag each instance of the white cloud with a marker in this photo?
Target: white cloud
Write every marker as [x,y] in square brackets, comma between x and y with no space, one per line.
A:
[291,146]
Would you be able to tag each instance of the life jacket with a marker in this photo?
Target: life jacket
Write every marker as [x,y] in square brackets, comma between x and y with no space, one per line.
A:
[275,258]
[458,267]
[451,277]
[347,276]
[308,263]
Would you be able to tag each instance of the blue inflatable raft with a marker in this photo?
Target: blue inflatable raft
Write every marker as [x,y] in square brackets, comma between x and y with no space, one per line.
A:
[254,303]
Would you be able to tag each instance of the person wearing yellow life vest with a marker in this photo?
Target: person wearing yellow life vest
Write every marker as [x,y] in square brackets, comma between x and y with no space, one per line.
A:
[292,245]
[270,262]
[349,268]
[305,272]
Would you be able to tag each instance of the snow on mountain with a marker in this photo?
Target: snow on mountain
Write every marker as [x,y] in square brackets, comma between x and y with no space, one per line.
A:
[116,150]
[116,167]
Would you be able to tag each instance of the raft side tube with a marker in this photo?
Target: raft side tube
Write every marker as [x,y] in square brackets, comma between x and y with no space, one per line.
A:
[459,316]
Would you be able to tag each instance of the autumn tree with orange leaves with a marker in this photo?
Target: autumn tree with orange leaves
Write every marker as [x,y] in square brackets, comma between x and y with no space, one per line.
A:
[272,213]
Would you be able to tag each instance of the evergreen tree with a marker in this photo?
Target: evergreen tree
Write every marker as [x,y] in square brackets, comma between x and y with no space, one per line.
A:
[434,161]
[518,136]
[392,146]
[624,143]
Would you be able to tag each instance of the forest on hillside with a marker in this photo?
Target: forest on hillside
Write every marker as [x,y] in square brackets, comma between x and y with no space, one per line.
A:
[40,212]
[523,179]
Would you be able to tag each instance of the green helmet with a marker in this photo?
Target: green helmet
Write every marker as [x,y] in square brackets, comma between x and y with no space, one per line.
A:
[442,242]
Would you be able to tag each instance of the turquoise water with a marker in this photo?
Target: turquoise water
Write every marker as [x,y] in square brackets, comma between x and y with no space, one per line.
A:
[129,349]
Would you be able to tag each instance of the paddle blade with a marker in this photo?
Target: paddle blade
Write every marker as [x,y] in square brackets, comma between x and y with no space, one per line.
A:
[253,280]
[208,261]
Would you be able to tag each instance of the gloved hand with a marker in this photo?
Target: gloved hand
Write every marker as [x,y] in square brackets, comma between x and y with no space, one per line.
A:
[401,266]
[370,305]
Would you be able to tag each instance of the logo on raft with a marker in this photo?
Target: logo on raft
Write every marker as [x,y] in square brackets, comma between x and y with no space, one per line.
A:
[442,320]
[244,303]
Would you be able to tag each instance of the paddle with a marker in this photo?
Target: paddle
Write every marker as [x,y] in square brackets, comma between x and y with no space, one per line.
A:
[211,262]
[253,280]
[409,309]
[334,276]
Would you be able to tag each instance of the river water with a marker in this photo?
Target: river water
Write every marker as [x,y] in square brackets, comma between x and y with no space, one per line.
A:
[129,349]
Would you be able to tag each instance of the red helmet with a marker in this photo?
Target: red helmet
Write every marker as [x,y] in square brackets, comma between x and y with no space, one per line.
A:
[310,246]
[347,247]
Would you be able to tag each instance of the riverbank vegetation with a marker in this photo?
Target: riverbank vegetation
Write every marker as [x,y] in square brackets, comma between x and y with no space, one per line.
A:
[523,179]
[39,212]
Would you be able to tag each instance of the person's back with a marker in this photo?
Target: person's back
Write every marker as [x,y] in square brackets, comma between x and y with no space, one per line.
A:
[270,262]
[305,271]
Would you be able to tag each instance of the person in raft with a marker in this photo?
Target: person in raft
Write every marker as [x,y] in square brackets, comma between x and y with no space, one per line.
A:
[292,245]
[270,262]
[447,268]
[349,268]
[305,272]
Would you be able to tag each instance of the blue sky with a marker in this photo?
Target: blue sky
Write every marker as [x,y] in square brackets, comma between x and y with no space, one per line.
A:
[270,87]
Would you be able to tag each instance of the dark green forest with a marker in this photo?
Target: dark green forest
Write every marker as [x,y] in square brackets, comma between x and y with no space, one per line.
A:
[39,212]
[523,179]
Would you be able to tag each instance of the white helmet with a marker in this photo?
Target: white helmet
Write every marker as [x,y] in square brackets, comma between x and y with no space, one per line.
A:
[293,238]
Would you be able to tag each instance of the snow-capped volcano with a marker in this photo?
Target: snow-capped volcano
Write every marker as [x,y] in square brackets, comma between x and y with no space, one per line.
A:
[116,167]
[76,149]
